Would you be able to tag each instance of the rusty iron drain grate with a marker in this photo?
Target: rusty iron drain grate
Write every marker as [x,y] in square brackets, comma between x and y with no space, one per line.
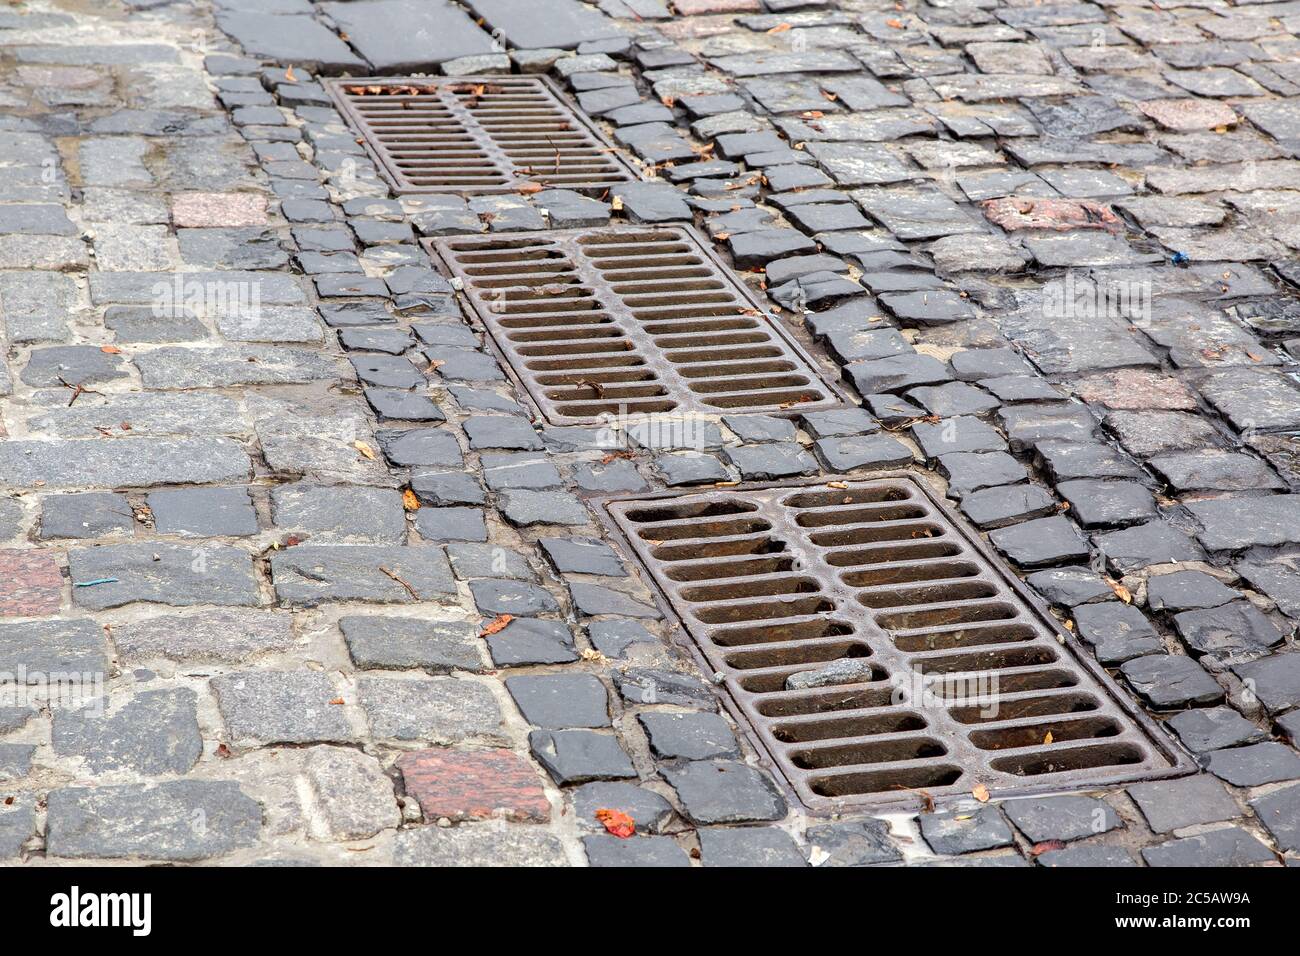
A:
[960,680]
[629,321]
[477,134]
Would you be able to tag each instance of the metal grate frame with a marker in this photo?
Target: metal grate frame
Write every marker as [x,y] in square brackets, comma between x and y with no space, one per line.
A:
[773,579]
[632,320]
[474,135]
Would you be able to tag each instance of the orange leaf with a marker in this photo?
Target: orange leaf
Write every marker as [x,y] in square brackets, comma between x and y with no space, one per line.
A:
[496,624]
[409,501]
[1046,845]
[110,349]
[617,822]
[780,28]
[980,793]
[527,188]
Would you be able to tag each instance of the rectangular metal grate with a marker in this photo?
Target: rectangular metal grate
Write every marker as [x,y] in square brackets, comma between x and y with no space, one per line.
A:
[772,581]
[631,321]
[477,134]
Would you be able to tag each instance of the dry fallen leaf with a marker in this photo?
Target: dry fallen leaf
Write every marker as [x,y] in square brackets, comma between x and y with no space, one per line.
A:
[498,623]
[409,501]
[780,28]
[1121,592]
[337,701]
[617,823]
[1047,739]
[1046,845]
[616,203]
[366,451]
[980,793]
[110,349]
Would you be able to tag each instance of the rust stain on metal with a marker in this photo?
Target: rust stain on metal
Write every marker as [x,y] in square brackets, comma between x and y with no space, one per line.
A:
[477,134]
[876,648]
[629,321]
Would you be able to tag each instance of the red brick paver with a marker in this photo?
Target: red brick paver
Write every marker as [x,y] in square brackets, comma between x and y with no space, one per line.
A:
[30,583]
[474,785]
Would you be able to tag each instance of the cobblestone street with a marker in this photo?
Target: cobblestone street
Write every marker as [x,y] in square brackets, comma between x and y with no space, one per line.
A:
[362,504]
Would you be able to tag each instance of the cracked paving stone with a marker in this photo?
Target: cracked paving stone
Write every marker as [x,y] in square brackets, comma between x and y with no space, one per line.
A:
[690,469]
[176,575]
[527,641]
[954,399]
[1145,434]
[957,831]
[1061,819]
[692,736]
[478,845]
[1213,728]
[488,561]
[156,732]
[400,643]
[725,791]
[613,476]
[309,575]
[151,821]
[1231,630]
[474,785]
[1117,632]
[1029,425]
[749,847]
[859,843]
[1168,681]
[839,422]
[560,701]
[580,756]
[438,710]
[1041,541]
[614,638]
[642,686]
[1188,801]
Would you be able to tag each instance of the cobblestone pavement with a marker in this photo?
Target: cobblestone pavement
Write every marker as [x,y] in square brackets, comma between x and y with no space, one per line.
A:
[347,596]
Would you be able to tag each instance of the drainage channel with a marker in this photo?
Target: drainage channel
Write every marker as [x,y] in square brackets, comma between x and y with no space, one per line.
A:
[629,321]
[875,647]
[477,134]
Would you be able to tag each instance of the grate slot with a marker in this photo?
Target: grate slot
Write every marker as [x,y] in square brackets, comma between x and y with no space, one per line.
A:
[968,681]
[660,296]
[477,134]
